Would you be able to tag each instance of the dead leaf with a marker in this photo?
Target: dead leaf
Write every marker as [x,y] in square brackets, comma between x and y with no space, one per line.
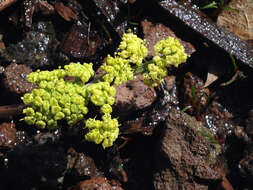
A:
[65,12]
[210,79]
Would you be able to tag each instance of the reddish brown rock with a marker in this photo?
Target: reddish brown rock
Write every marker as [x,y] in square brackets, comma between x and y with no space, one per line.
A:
[184,156]
[151,118]
[7,134]
[81,165]
[37,49]
[96,183]
[80,42]
[133,95]
[157,32]
[108,15]
[15,79]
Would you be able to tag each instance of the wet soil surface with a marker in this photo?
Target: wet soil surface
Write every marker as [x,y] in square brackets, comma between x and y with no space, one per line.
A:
[194,131]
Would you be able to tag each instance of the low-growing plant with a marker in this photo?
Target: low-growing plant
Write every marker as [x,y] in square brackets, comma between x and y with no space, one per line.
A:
[58,98]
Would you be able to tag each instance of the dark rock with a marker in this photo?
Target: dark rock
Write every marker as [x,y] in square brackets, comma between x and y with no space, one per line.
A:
[34,167]
[249,123]
[133,96]
[31,7]
[11,110]
[157,32]
[1,69]
[153,117]
[184,156]
[80,42]
[81,165]
[35,50]
[94,183]
[15,79]
[46,137]
[108,13]
[7,135]
[246,167]
[198,23]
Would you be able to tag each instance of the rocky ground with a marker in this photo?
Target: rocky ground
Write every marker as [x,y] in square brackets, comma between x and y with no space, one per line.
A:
[194,131]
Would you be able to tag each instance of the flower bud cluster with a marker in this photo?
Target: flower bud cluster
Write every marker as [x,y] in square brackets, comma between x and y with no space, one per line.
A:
[56,98]
[133,48]
[168,52]
[105,131]
[118,68]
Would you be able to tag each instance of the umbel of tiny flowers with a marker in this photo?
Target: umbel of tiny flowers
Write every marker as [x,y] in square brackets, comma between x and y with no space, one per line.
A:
[168,52]
[120,68]
[130,60]
[57,99]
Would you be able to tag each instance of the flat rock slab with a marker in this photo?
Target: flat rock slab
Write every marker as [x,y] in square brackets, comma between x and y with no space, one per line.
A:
[197,21]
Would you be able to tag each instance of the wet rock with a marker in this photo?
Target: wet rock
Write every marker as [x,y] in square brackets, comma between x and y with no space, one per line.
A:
[80,165]
[200,102]
[35,50]
[32,6]
[34,166]
[46,137]
[94,183]
[15,79]
[108,13]
[133,96]
[80,42]
[157,32]
[187,15]
[156,114]
[7,135]
[185,156]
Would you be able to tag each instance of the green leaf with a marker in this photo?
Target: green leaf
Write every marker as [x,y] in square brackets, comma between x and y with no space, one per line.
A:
[212,5]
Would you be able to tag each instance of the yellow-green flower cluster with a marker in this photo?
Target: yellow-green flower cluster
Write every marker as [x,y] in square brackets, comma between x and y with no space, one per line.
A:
[56,98]
[132,48]
[168,52]
[105,131]
[118,68]
[102,94]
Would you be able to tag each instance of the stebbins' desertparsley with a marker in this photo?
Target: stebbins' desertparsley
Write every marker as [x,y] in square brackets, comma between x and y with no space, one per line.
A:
[168,52]
[58,98]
